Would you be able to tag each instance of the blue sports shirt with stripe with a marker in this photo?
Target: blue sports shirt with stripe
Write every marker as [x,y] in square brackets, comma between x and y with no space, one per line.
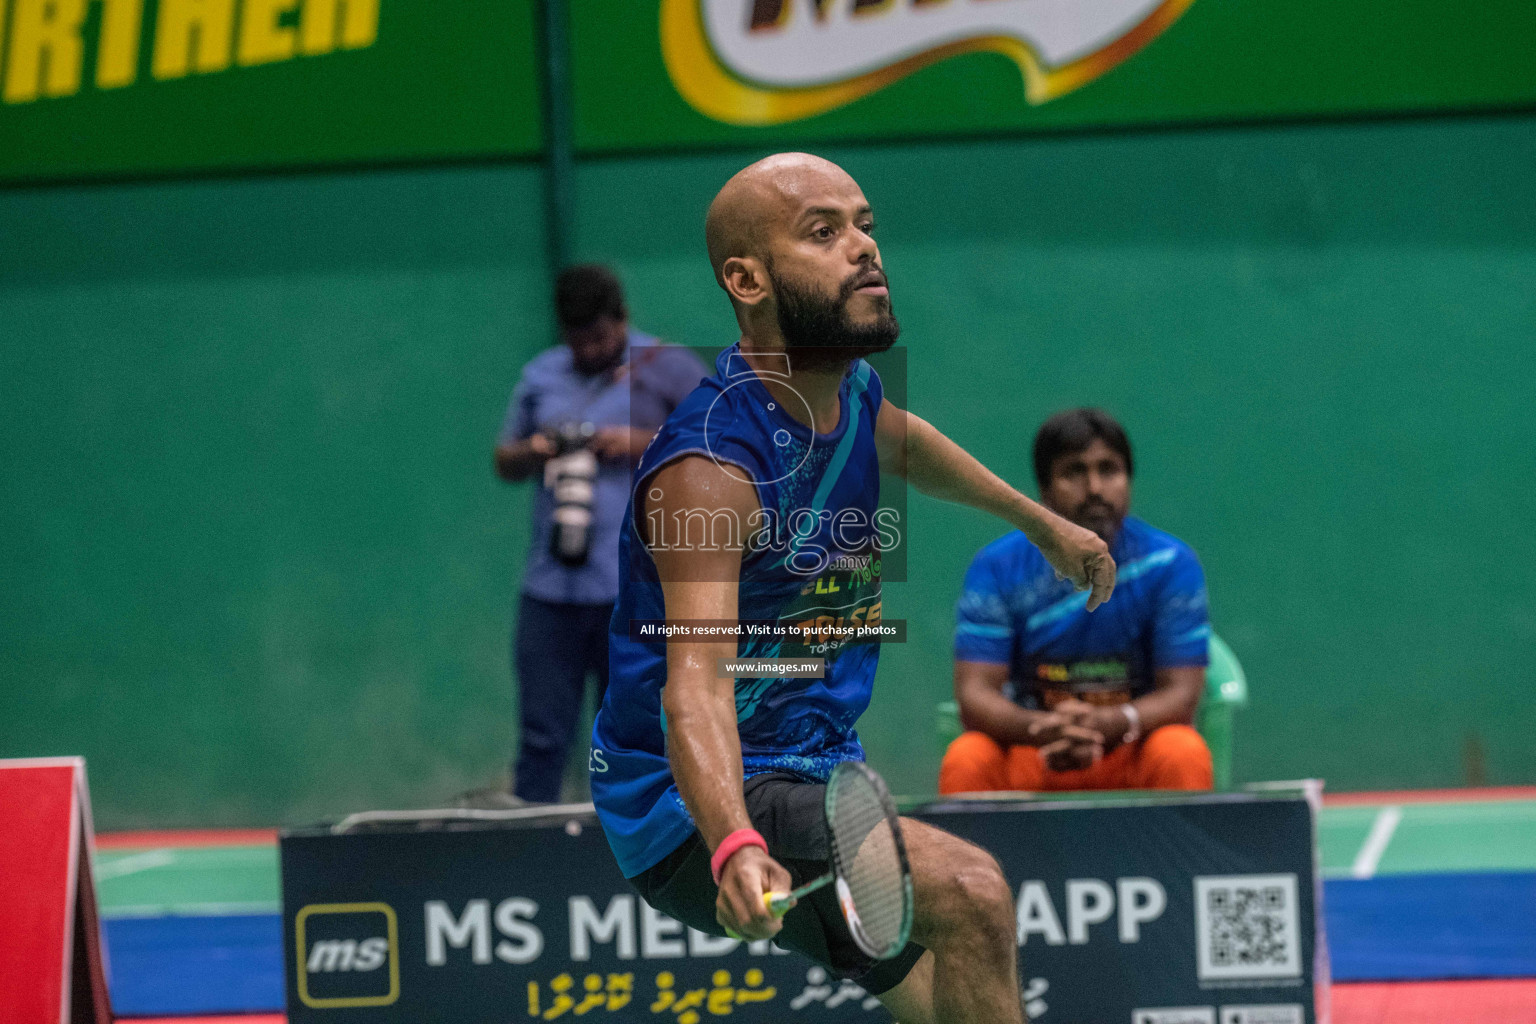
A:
[817,560]
[1014,611]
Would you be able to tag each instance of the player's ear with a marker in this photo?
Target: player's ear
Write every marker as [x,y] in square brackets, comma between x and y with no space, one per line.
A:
[746,279]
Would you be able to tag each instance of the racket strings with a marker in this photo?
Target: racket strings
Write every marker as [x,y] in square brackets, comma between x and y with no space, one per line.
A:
[866,855]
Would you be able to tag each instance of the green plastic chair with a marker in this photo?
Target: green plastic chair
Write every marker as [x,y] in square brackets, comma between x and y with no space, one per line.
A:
[1226,690]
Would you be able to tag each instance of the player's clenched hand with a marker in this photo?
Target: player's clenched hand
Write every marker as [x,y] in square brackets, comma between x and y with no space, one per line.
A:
[1079,749]
[1046,727]
[1080,555]
[740,908]
[1107,722]
[1077,712]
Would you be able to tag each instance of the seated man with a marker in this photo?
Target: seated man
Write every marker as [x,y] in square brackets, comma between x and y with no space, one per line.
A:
[1056,698]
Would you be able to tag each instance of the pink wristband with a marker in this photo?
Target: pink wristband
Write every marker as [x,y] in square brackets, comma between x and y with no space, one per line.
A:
[733,843]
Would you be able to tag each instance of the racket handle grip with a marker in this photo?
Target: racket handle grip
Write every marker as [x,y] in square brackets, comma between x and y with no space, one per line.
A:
[778,903]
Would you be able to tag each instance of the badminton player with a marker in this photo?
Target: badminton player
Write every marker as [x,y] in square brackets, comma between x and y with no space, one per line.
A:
[758,501]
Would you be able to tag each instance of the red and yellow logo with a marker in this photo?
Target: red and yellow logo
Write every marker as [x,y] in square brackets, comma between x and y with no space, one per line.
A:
[762,62]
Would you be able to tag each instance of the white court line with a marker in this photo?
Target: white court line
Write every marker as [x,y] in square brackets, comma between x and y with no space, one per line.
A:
[146,861]
[1376,843]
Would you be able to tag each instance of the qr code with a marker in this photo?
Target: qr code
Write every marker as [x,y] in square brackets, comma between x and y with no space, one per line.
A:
[1247,927]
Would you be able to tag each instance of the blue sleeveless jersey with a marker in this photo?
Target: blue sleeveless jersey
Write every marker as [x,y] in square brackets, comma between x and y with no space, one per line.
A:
[817,560]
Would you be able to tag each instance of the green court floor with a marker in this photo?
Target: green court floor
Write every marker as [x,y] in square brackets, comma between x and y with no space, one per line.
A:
[1356,841]
[188,880]
[1429,837]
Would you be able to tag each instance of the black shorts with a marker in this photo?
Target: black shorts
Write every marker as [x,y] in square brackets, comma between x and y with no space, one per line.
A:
[788,811]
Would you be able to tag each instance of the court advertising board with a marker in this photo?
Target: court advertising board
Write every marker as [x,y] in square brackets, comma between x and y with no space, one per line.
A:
[689,73]
[91,87]
[1144,910]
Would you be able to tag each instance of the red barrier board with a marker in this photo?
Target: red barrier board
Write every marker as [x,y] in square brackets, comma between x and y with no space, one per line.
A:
[52,966]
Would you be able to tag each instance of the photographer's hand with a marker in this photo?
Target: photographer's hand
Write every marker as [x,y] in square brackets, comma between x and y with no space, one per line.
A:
[520,459]
[620,444]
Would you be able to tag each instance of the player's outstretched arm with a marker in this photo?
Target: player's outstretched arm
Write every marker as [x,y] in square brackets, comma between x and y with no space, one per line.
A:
[912,447]
[700,574]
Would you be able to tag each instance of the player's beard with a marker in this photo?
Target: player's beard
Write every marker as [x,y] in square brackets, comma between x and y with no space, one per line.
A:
[818,330]
[1101,517]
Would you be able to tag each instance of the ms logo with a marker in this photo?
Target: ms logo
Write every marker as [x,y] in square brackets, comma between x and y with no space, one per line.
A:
[348,955]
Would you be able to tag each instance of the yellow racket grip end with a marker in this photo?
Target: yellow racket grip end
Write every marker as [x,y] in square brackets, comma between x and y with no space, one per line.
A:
[776,903]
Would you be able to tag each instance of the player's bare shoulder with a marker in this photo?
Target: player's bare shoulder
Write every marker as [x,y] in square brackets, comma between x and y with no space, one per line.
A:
[697,517]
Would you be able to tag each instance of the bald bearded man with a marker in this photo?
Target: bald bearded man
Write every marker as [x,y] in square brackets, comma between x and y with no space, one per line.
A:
[709,787]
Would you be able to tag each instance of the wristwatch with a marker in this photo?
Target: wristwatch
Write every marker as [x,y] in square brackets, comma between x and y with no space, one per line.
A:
[1132,723]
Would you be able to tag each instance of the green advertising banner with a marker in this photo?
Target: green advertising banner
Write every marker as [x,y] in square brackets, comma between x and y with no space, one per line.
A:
[93,87]
[687,73]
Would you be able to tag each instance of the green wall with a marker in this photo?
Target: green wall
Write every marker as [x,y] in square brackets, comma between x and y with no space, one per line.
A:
[1321,341]
[257,568]
[257,565]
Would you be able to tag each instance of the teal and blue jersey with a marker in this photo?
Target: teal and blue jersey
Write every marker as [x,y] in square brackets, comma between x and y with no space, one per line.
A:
[816,560]
[1014,611]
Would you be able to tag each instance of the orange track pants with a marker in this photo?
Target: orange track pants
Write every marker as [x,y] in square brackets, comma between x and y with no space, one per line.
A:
[1170,757]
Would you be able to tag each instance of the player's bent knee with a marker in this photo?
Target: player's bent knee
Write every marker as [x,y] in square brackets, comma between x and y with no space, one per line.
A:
[977,892]
[986,887]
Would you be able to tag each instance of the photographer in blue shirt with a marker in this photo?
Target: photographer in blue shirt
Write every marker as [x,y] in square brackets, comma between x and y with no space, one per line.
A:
[578,421]
[1055,698]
